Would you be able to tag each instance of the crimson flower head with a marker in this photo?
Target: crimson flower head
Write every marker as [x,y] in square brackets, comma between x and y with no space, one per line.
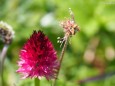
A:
[38,58]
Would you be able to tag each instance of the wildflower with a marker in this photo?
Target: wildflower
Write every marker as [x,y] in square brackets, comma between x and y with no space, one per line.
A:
[6,32]
[38,58]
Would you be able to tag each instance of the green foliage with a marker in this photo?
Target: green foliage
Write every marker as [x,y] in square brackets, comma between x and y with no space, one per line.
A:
[96,19]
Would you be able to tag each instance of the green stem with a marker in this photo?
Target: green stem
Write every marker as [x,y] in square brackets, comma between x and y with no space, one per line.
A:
[2,59]
[36,82]
[61,58]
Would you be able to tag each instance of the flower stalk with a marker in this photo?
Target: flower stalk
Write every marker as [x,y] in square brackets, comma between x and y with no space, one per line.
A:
[60,59]
[36,82]
[6,35]
[70,29]
[2,59]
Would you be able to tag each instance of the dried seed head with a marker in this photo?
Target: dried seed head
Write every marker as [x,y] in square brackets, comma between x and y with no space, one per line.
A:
[6,32]
[70,27]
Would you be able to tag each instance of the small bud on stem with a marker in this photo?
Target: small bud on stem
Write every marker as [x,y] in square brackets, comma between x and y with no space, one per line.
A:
[6,32]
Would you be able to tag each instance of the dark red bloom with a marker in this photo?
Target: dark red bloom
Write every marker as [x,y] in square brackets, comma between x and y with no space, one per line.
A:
[38,57]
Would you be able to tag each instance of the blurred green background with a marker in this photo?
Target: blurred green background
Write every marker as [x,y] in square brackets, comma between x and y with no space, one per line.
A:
[91,52]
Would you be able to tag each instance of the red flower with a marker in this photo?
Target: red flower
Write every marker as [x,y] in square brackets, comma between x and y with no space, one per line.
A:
[38,57]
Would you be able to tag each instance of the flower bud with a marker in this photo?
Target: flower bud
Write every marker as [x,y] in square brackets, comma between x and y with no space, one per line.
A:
[6,32]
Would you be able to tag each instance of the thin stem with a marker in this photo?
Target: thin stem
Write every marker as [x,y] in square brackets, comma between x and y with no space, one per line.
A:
[2,59]
[98,77]
[63,51]
[61,58]
[36,82]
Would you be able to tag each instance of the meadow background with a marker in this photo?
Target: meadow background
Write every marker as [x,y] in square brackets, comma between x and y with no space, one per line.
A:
[90,53]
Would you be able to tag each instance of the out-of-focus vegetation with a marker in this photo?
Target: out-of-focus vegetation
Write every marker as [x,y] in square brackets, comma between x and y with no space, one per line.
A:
[91,52]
